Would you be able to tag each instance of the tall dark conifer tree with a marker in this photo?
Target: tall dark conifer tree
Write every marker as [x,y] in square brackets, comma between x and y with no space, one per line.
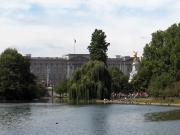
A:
[98,46]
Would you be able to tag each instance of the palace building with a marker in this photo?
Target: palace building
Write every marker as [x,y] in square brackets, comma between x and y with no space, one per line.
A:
[52,70]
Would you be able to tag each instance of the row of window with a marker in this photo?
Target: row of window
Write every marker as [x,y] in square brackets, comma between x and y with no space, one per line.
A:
[48,64]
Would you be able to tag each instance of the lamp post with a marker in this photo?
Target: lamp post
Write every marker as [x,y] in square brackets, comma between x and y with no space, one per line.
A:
[52,94]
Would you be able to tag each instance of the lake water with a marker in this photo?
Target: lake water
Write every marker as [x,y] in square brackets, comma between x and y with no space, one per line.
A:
[61,119]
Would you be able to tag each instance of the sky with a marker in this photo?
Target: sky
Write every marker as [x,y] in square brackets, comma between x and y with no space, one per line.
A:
[47,28]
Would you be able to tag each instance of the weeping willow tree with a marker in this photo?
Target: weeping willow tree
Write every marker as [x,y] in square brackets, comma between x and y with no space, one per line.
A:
[92,81]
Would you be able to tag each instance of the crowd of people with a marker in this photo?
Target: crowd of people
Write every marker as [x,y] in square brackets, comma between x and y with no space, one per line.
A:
[129,95]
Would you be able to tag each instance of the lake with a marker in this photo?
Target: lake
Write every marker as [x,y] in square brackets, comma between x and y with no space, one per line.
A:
[63,119]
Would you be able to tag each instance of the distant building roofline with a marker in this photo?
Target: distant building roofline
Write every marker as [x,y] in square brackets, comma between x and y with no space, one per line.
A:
[71,55]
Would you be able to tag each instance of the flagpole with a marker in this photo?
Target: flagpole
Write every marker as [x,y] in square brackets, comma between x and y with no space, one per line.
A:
[74,46]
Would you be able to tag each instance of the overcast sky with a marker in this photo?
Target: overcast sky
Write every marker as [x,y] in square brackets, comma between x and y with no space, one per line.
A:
[48,27]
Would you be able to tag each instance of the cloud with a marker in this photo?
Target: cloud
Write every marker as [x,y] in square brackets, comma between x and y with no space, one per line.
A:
[48,27]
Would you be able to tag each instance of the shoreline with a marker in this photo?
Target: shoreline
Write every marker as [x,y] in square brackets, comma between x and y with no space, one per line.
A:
[146,101]
[134,101]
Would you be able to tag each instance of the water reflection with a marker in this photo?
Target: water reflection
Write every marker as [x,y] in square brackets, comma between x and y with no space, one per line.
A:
[99,120]
[163,116]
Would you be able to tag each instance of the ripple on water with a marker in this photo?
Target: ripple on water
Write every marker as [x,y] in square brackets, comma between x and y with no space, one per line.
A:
[42,119]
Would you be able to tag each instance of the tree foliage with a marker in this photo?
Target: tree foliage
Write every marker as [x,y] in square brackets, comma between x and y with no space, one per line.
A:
[119,81]
[160,64]
[173,90]
[159,83]
[61,87]
[16,81]
[98,46]
[92,81]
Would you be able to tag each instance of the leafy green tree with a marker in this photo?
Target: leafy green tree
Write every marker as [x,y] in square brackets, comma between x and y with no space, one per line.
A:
[98,46]
[119,81]
[61,87]
[160,64]
[39,90]
[158,84]
[141,81]
[173,90]
[92,81]
[16,81]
